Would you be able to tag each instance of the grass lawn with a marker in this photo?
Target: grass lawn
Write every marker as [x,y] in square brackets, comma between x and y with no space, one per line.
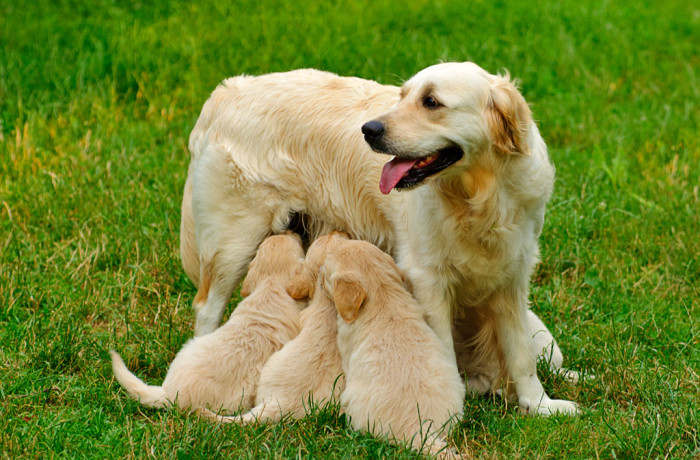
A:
[97,100]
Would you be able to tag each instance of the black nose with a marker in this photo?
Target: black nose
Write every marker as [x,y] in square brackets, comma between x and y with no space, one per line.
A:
[373,129]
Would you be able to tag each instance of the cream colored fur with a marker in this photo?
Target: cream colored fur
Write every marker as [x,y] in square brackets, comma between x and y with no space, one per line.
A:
[269,146]
[308,369]
[401,382]
[220,370]
[479,364]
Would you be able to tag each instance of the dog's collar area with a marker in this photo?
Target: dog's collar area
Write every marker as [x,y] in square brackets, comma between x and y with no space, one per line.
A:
[427,166]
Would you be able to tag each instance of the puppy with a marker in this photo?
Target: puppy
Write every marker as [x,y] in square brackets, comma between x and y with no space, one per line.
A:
[400,380]
[220,370]
[458,142]
[308,368]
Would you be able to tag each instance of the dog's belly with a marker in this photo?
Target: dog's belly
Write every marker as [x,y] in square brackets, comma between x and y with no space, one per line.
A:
[319,202]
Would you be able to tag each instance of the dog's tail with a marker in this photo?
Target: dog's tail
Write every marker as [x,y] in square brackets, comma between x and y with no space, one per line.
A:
[149,395]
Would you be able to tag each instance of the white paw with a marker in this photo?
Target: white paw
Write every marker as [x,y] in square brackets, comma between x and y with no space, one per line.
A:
[547,407]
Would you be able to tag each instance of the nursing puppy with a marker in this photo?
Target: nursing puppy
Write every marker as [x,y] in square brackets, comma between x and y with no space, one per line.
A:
[461,144]
[308,368]
[400,380]
[220,370]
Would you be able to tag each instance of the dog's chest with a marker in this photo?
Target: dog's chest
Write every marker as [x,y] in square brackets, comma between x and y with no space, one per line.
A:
[474,273]
[472,264]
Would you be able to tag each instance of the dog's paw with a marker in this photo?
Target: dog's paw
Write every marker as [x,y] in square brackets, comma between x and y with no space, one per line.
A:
[547,407]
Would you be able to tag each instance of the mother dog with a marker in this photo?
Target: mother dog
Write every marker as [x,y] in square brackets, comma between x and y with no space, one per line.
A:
[472,168]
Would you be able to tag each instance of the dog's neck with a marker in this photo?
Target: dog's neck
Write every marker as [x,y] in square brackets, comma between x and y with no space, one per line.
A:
[494,188]
[475,197]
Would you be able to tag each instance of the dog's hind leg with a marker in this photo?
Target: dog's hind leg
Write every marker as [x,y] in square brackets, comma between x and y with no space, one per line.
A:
[230,224]
[548,350]
[189,253]
[223,268]
[544,344]
[518,353]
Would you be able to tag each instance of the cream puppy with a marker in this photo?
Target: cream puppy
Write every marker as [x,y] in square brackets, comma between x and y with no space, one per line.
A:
[400,380]
[220,370]
[307,369]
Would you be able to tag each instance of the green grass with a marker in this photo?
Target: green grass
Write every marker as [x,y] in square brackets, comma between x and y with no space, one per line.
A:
[97,100]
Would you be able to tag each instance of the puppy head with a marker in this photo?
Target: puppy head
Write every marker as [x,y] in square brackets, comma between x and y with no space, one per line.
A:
[354,271]
[279,256]
[447,114]
[303,283]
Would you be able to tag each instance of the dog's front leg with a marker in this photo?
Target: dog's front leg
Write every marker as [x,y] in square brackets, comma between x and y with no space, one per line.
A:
[509,306]
[436,303]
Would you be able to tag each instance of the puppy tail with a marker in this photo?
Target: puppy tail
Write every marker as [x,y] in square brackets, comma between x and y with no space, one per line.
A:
[149,395]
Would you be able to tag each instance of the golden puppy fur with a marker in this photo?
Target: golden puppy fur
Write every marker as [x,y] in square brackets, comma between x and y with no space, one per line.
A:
[220,370]
[267,147]
[308,368]
[400,380]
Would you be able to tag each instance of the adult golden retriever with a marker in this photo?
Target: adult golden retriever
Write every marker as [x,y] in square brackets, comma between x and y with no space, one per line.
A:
[460,205]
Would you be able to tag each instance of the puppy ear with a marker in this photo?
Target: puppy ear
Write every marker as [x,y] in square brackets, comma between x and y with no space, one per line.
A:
[301,286]
[348,295]
[508,117]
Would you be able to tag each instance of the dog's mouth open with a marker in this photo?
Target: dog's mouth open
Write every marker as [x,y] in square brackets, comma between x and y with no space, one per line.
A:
[402,173]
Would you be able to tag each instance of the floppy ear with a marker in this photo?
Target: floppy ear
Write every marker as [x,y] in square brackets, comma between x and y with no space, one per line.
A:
[348,295]
[508,117]
[301,286]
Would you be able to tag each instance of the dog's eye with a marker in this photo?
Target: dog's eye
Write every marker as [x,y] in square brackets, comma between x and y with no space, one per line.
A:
[429,102]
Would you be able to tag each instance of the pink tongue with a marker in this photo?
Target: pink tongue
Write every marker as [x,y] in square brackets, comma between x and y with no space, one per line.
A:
[392,173]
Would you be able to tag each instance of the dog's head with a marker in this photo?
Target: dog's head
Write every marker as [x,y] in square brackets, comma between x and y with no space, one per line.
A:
[354,271]
[447,114]
[279,256]
[303,283]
